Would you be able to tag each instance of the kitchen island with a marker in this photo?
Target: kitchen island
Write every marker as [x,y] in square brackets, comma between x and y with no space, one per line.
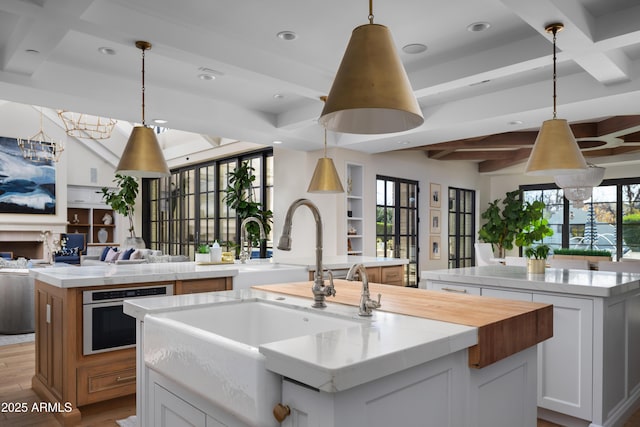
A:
[85,344]
[401,365]
[588,373]
[389,271]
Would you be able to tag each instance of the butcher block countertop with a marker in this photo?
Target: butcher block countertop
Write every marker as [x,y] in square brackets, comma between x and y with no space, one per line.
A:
[505,327]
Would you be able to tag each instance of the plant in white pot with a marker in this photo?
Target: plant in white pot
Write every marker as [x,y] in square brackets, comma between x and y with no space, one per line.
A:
[202,254]
[123,200]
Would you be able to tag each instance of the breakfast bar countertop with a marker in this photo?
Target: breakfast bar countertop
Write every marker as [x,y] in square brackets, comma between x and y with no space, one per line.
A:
[339,262]
[566,281]
[114,274]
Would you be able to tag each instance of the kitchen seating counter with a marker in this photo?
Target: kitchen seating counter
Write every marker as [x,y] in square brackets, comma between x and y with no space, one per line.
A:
[343,262]
[113,274]
[557,280]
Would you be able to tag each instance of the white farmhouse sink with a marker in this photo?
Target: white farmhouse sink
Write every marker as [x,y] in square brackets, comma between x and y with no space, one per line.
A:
[213,350]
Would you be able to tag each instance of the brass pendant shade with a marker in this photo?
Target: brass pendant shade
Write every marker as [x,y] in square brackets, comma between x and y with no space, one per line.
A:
[142,157]
[555,151]
[325,178]
[371,93]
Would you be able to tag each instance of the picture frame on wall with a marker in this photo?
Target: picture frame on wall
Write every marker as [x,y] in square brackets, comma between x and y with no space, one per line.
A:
[434,221]
[435,247]
[435,195]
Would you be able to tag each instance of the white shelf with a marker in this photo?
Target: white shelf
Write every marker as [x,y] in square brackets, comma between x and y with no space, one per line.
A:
[354,206]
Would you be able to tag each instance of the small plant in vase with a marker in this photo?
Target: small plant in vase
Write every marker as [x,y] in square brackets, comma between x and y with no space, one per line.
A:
[537,258]
[202,254]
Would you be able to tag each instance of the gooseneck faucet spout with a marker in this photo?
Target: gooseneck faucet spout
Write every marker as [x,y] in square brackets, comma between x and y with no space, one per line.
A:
[366,303]
[320,291]
[244,253]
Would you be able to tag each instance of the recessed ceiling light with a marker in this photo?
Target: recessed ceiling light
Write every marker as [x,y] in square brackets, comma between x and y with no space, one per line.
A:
[33,51]
[277,141]
[206,76]
[159,121]
[404,142]
[106,51]
[287,35]
[478,26]
[515,122]
[414,48]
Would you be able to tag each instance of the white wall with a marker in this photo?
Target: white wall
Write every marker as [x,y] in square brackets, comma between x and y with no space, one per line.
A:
[293,171]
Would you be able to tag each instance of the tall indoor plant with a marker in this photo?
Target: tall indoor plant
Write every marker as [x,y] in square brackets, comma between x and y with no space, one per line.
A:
[122,200]
[240,197]
[513,220]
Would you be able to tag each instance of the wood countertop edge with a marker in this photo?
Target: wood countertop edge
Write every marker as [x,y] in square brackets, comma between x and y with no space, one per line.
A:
[505,327]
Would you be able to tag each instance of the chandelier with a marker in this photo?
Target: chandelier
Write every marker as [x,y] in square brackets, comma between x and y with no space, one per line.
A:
[84,126]
[578,187]
[40,147]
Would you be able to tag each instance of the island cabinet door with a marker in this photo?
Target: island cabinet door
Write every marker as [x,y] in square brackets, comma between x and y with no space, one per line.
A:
[430,394]
[49,345]
[171,411]
[565,361]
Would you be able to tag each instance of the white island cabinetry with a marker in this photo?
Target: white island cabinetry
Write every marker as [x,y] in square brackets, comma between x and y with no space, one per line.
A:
[587,373]
[388,369]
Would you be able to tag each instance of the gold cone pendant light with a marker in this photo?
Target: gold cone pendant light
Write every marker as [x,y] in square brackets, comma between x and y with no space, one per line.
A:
[325,177]
[555,151]
[371,93]
[142,157]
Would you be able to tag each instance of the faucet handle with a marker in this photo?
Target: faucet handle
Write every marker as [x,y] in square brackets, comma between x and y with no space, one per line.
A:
[378,305]
[330,289]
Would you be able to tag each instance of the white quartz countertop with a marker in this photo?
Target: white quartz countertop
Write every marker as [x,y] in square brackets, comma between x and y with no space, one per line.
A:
[343,261]
[565,281]
[116,274]
[336,360]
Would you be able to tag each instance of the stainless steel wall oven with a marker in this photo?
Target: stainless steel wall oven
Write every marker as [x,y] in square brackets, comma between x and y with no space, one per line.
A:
[105,327]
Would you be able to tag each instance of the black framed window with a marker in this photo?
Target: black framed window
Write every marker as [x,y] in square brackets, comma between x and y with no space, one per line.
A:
[188,208]
[609,220]
[462,227]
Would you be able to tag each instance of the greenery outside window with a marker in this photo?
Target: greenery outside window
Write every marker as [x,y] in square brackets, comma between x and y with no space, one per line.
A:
[188,208]
[607,220]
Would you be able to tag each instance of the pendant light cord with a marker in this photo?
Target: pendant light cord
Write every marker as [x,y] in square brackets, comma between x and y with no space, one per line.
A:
[554,31]
[143,123]
[370,11]
[325,142]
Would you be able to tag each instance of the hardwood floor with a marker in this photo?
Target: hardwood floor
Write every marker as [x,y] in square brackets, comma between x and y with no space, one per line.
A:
[17,366]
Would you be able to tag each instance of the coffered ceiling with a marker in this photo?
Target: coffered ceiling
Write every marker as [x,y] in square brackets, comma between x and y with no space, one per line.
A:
[481,93]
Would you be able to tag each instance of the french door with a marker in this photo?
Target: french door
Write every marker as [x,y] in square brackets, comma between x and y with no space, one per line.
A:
[397,223]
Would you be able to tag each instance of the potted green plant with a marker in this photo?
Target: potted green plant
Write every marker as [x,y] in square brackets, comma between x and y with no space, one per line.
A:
[511,217]
[202,254]
[240,197]
[122,200]
[535,229]
[537,258]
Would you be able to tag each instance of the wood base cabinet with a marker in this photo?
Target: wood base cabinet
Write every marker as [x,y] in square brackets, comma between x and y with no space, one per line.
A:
[64,375]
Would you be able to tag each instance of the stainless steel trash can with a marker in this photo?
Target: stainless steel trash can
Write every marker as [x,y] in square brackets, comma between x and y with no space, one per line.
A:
[16,302]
